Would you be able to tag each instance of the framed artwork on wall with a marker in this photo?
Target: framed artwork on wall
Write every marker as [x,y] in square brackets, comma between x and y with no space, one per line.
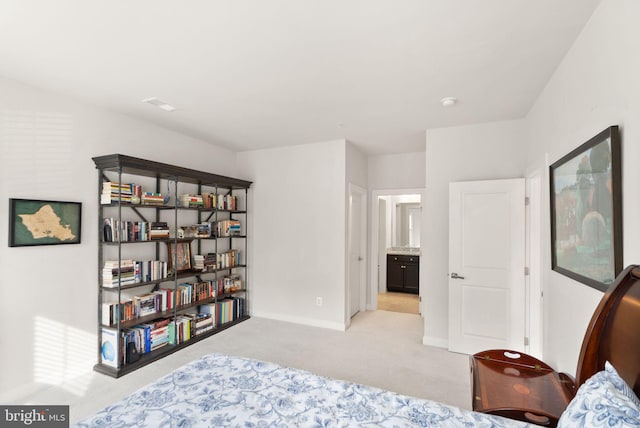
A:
[39,222]
[586,211]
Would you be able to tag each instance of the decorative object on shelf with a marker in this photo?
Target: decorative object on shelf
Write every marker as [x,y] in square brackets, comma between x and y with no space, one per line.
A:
[167,196]
[586,211]
[180,256]
[40,222]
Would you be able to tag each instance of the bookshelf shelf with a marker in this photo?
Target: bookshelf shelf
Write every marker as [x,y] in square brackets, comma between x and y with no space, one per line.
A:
[162,314]
[164,351]
[199,300]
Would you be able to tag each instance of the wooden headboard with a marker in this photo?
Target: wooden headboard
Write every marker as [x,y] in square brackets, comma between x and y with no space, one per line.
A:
[614,332]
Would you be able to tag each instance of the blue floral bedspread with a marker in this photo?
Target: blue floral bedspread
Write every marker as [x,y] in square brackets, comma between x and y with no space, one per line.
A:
[224,391]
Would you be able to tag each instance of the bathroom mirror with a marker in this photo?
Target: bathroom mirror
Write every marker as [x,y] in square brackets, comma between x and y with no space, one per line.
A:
[407,225]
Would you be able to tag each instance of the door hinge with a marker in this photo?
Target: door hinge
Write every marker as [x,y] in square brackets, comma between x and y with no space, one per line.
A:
[526,341]
[526,271]
[526,200]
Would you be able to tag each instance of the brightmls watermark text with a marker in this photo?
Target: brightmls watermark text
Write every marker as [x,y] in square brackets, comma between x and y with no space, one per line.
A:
[34,416]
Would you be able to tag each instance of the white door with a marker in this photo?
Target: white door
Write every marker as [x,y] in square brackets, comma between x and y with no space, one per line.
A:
[382,245]
[486,265]
[356,250]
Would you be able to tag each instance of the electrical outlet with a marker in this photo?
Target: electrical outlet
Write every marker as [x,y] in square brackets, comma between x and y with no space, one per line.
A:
[318,301]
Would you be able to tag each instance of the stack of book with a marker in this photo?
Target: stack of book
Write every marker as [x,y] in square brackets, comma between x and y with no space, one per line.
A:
[160,333]
[114,230]
[198,262]
[115,312]
[227,202]
[220,202]
[209,200]
[228,259]
[152,198]
[147,304]
[228,228]
[180,330]
[202,323]
[190,293]
[114,192]
[191,201]
[116,274]
[159,230]
[210,262]
[151,270]
[230,309]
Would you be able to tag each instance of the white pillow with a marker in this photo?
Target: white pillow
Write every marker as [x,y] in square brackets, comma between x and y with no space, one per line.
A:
[604,400]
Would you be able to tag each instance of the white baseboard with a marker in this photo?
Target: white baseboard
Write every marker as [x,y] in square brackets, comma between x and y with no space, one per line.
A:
[300,320]
[435,341]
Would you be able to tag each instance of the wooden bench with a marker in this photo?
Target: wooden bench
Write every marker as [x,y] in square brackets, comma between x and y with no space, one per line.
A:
[519,386]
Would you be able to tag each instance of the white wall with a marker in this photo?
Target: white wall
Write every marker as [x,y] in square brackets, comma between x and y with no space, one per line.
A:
[397,171]
[48,294]
[356,167]
[298,232]
[595,86]
[474,152]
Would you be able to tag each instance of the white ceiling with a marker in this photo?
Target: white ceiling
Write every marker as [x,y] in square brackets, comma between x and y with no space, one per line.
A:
[250,74]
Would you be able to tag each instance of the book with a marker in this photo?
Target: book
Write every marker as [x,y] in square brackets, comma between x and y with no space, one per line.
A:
[109,350]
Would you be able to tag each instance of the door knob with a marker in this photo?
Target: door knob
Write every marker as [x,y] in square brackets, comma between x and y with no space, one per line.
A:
[456,276]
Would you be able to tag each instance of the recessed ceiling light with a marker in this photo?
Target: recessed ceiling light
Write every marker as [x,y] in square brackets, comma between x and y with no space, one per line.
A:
[448,101]
[159,103]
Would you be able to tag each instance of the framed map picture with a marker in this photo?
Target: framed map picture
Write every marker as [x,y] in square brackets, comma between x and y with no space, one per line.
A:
[37,222]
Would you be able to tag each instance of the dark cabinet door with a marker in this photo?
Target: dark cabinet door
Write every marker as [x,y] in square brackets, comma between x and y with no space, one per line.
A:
[403,273]
[395,277]
[411,277]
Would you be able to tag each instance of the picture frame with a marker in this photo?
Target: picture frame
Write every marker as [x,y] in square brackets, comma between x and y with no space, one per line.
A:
[34,222]
[180,260]
[586,211]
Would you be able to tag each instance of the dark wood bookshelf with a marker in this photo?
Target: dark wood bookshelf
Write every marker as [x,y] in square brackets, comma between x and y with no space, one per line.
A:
[111,169]
[147,168]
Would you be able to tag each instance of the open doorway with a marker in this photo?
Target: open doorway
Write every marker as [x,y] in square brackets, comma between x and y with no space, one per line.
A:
[395,250]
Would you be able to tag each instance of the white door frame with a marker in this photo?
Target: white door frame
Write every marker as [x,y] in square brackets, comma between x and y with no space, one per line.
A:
[534,257]
[354,189]
[372,304]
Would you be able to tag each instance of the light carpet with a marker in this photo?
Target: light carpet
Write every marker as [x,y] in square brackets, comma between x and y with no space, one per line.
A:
[381,349]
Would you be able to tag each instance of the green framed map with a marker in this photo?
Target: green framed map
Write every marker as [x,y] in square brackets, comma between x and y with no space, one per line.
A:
[37,222]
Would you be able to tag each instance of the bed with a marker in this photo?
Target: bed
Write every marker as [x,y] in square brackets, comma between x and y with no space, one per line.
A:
[226,391]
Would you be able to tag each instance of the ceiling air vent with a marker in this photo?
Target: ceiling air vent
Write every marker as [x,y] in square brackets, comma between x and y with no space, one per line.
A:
[159,103]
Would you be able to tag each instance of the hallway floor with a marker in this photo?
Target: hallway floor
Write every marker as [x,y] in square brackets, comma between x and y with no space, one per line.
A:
[399,302]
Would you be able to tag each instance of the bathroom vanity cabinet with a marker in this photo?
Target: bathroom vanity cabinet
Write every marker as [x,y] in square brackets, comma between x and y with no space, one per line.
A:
[403,273]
